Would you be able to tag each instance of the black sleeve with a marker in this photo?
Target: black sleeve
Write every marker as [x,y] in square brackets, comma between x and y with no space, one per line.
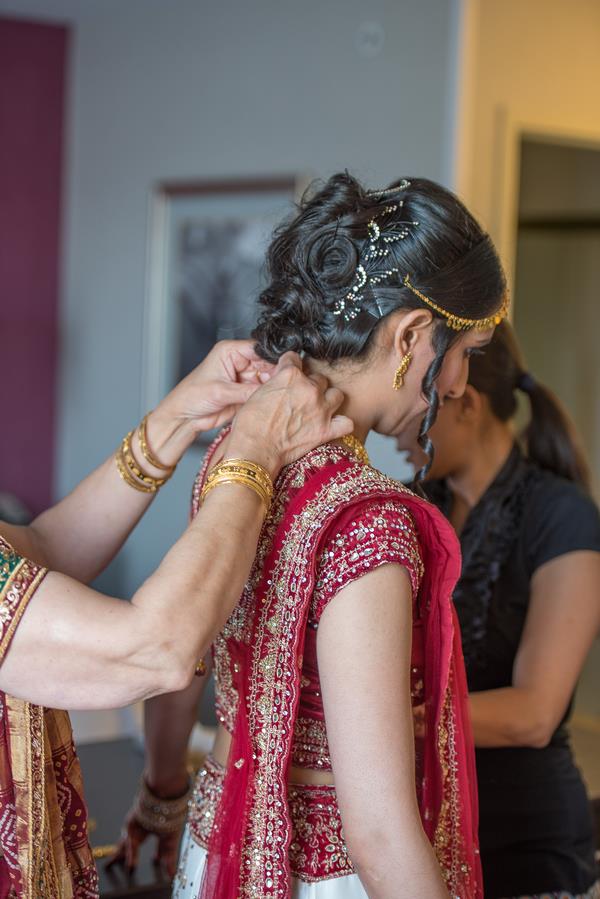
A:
[560,518]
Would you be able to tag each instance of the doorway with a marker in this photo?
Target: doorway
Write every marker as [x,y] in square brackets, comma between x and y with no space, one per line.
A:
[557,317]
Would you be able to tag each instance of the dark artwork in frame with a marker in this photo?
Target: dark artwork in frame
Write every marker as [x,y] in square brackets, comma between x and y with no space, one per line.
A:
[206,268]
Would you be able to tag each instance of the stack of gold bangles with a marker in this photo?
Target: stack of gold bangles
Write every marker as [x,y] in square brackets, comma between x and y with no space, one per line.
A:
[160,816]
[241,471]
[132,472]
[230,471]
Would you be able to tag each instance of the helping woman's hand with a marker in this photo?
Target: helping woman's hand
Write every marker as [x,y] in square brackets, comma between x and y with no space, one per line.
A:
[289,415]
[212,393]
[280,413]
[134,834]
[207,398]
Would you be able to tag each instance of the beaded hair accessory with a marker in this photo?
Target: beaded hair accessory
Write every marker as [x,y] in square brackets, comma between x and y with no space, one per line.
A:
[372,269]
[389,191]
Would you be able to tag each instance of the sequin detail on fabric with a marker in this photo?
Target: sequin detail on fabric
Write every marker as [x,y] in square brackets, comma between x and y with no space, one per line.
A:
[317,849]
[383,533]
[204,799]
[310,748]
[19,579]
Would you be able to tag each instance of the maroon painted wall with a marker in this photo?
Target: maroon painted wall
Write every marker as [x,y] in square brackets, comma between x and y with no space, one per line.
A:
[32,91]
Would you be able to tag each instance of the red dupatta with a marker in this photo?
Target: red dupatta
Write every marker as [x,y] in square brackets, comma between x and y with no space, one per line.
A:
[248,850]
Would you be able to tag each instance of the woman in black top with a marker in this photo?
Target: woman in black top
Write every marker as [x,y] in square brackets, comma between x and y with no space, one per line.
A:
[529,608]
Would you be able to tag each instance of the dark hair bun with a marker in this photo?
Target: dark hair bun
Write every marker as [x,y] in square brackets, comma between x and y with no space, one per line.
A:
[313,259]
[285,323]
[332,260]
[310,261]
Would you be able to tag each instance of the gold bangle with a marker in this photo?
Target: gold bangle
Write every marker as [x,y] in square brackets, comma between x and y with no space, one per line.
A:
[127,477]
[131,472]
[246,469]
[242,468]
[153,483]
[160,816]
[236,479]
[146,452]
[241,471]
[223,477]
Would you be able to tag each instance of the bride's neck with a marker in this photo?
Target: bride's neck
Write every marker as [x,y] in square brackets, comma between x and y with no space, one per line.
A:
[352,383]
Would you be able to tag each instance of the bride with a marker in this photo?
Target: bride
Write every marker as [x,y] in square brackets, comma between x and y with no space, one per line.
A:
[316,786]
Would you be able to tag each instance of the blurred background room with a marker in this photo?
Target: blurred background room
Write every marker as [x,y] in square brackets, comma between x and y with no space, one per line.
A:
[147,147]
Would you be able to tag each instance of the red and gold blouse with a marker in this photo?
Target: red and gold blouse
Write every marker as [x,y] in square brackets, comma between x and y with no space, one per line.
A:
[381,533]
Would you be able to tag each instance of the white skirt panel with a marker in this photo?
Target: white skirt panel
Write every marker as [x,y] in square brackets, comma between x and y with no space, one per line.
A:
[191,867]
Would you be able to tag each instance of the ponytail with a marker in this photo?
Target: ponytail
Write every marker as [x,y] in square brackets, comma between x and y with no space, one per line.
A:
[550,439]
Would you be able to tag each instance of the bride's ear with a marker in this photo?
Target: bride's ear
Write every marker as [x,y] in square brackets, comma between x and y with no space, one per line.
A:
[411,329]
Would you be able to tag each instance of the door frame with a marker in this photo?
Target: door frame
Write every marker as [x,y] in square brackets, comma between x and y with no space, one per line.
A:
[509,134]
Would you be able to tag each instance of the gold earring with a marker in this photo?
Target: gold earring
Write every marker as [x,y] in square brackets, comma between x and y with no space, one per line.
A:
[401,371]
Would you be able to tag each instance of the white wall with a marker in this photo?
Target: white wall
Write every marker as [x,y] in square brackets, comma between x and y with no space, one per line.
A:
[529,66]
[165,89]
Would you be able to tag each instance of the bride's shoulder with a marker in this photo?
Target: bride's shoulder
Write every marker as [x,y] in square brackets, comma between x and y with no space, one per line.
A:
[364,536]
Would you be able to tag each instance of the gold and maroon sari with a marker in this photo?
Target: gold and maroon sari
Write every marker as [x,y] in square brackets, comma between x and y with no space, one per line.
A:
[43,819]
[332,520]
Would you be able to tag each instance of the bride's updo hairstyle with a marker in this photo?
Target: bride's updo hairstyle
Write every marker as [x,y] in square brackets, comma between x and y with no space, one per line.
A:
[350,257]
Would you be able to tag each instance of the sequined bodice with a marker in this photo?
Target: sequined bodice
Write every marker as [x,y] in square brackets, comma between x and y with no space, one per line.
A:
[382,533]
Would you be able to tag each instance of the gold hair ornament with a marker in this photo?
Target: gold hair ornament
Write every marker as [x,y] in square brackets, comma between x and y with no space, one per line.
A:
[370,273]
[401,371]
[457,322]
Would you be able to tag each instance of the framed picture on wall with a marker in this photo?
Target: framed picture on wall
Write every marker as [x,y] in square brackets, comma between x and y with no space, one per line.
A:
[207,244]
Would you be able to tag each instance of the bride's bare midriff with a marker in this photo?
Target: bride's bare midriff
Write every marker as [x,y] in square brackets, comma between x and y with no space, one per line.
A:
[220,754]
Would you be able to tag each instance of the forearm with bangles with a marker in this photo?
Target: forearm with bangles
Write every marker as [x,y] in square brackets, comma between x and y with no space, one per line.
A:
[154,643]
[82,533]
[202,549]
